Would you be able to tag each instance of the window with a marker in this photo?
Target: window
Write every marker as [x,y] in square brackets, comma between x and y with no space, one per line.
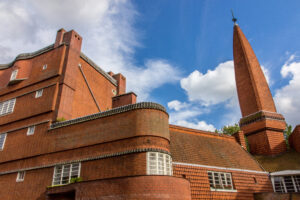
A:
[220,181]
[20,176]
[44,66]
[7,107]
[39,93]
[30,130]
[14,75]
[286,184]
[159,164]
[64,173]
[2,140]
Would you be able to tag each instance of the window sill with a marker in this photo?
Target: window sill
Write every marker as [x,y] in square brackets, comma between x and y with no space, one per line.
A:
[221,190]
[15,81]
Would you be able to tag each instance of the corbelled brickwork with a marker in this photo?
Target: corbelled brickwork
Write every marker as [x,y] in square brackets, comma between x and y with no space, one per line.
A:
[260,119]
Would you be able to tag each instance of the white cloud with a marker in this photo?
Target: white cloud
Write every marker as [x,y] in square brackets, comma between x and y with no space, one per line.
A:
[267,74]
[287,97]
[185,114]
[107,28]
[201,125]
[177,105]
[214,87]
[156,72]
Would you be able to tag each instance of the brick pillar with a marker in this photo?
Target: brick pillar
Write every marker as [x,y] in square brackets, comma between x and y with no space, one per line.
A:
[294,139]
[59,37]
[240,138]
[68,78]
[121,80]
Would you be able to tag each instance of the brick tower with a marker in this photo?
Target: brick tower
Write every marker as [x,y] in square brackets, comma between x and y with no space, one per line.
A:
[260,122]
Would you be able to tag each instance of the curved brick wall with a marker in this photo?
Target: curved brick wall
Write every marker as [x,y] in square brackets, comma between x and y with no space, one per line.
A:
[141,187]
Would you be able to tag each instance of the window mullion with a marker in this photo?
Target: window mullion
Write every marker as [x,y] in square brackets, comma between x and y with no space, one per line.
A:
[294,184]
[61,175]
[71,165]
[284,186]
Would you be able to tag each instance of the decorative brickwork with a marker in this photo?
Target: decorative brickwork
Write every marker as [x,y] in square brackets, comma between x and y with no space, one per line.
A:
[259,117]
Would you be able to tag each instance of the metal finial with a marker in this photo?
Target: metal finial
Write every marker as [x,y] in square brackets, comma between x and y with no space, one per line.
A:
[233,18]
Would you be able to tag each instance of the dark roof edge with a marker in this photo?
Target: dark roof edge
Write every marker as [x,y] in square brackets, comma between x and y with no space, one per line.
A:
[24,56]
[96,67]
[122,109]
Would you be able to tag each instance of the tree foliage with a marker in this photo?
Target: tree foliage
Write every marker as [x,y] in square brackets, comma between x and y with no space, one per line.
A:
[230,129]
[286,133]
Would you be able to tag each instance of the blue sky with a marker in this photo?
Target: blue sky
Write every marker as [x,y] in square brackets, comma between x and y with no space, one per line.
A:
[174,52]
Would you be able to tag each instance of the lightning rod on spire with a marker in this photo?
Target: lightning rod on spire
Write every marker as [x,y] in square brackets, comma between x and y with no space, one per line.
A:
[233,18]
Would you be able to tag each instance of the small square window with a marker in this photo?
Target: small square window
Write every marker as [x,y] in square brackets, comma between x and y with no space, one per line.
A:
[30,130]
[38,93]
[20,176]
[44,66]
[14,75]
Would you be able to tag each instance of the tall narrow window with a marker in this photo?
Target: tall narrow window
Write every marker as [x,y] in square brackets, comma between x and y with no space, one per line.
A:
[30,130]
[44,66]
[20,176]
[14,75]
[64,173]
[2,140]
[159,163]
[39,93]
[7,107]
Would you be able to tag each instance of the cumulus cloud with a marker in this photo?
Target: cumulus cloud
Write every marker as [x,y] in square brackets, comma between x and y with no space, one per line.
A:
[177,105]
[287,97]
[185,114]
[201,125]
[107,28]
[213,87]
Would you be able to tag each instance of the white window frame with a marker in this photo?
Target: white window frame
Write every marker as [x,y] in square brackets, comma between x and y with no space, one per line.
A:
[295,180]
[39,93]
[7,107]
[3,138]
[20,176]
[14,75]
[159,164]
[224,179]
[30,130]
[45,66]
[59,175]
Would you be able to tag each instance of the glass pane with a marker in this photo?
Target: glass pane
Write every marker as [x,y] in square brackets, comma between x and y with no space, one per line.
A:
[278,185]
[289,184]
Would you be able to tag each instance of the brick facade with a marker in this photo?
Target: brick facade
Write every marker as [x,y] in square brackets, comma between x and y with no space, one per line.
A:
[111,136]
[294,139]
[245,183]
[259,117]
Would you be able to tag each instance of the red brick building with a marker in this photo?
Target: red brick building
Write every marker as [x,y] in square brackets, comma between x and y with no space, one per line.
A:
[69,130]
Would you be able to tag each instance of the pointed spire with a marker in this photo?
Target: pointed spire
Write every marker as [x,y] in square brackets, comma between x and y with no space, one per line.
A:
[253,90]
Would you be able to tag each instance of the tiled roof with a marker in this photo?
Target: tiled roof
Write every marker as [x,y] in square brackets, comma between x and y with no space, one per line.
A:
[289,160]
[205,148]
